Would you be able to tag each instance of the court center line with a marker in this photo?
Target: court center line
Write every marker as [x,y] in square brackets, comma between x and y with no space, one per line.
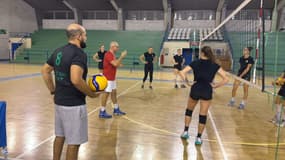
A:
[218,136]
[94,110]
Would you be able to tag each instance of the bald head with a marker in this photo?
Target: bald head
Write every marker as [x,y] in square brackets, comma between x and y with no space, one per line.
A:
[114,46]
[74,30]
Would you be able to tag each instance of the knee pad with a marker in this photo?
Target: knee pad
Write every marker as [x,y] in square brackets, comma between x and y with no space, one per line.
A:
[202,119]
[188,112]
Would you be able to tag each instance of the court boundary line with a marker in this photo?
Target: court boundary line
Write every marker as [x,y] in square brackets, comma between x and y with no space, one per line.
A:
[219,140]
[91,112]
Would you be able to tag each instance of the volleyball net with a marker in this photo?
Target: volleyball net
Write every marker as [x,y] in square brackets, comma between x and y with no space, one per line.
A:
[244,27]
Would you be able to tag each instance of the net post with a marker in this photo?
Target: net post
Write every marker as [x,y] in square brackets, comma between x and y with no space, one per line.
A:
[263,46]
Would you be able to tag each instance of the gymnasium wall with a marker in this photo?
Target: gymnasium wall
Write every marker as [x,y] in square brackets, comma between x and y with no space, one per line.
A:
[17,16]
[145,25]
[282,19]
[169,49]
[194,24]
[99,24]
[4,47]
[56,23]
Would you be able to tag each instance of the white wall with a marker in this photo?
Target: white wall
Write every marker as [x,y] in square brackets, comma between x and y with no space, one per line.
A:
[100,24]
[17,16]
[4,46]
[194,24]
[169,49]
[154,25]
[282,19]
[57,23]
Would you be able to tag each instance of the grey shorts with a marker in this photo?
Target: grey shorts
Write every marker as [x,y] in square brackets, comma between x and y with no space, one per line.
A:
[71,123]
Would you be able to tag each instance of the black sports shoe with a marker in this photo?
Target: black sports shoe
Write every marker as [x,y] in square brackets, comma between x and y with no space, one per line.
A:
[142,86]
[176,86]
[150,87]
[183,86]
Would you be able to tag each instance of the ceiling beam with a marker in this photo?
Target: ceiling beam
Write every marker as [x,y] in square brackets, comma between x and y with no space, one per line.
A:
[281,4]
[75,10]
[221,5]
[219,10]
[115,5]
[165,5]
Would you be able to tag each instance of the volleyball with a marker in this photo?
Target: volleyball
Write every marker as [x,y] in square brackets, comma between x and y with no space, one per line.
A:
[280,81]
[97,82]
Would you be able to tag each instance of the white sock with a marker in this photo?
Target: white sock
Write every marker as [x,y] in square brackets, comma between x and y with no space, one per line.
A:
[233,99]
[278,112]
[243,102]
[116,106]
[103,108]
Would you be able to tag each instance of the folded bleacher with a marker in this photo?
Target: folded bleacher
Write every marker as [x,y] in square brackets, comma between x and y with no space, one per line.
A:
[187,34]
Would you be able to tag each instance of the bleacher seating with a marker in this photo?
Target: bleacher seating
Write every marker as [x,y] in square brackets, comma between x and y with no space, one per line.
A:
[179,34]
[182,34]
[136,42]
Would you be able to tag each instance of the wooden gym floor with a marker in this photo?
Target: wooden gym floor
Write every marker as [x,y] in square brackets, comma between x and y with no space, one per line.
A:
[150,131]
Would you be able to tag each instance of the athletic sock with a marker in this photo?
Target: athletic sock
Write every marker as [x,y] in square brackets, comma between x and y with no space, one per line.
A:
[278,112]
[116,106]
[186,129]
[243,102]
[233,99]
[199,135]
[102,108]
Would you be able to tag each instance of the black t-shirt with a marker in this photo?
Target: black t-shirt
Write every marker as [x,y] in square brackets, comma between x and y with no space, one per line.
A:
[62,59]
[204,70]
[149,57]
[244,62]
[101,55]
[178,59]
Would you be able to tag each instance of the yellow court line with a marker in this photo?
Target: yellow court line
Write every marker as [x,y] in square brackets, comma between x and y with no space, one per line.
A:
[209,140]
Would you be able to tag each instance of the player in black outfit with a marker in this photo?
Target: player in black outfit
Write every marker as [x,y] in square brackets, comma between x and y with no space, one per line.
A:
[246,62]
[99,57]
[148,58]
[280,102]
[69,64]
[178,61]
[204,71]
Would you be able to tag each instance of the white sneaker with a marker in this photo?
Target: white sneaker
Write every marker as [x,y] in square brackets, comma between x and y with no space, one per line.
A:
[5,151]
[185,135]
[198,141]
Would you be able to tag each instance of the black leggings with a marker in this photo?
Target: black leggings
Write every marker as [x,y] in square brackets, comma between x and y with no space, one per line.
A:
[148,68]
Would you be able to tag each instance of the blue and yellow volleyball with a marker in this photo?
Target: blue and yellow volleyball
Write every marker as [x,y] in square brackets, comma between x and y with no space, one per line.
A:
[97,82]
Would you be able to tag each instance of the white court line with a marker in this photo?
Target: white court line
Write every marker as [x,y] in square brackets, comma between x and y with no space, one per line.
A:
[36,146]
[94,110]
[218,136]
